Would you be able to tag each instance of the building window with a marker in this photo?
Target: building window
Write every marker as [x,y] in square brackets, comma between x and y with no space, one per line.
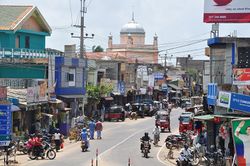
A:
[18,41]
[71,77]
[27,42]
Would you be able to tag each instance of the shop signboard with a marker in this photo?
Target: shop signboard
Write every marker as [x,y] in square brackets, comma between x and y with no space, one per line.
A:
[212,94]
[226,11]
[159,76]
[240,102]
[241,137]
[241,76]
[122,88]
[5,125]
[224,99]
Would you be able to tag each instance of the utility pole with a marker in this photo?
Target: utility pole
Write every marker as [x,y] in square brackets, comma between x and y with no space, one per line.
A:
[165,66]
[82,37]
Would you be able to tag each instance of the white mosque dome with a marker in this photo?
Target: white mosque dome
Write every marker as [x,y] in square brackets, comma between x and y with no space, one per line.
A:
[132,27]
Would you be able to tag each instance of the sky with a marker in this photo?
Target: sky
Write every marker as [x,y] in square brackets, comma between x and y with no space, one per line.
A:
[176,22]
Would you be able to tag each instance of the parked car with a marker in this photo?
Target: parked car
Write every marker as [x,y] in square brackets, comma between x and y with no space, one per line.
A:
[115,113]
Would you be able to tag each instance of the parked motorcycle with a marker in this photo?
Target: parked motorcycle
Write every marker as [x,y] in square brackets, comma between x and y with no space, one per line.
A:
[214,158]
[45,151]
[84,146]
[188,157]
[21,146]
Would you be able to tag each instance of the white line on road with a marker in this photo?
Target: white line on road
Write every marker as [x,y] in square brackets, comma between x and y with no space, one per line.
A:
[113,147]
[158,154]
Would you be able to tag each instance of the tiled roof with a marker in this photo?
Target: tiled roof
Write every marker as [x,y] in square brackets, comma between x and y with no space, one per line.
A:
[12,15]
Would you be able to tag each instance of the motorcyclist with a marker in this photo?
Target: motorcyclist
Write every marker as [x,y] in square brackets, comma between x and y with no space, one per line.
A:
[145,138]
[185,154]
[156,133]
[37,143]
[84,136]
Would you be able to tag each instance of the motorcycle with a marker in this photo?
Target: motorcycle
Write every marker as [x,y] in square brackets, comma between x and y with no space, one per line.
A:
[191,159]
[45,151]
[21,146]
[146,148]
[214,158]
[84,146]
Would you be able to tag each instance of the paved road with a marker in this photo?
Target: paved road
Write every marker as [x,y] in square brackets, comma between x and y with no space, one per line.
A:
[120,142]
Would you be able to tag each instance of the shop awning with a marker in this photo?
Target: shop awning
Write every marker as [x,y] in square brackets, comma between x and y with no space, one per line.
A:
[15,108]
[49,115]
[72,96]
[57,101]
[174,87]
[204,117]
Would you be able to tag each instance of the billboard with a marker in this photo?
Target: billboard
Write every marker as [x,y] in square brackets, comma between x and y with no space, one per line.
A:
[224,99]
[226,11]
[241,76]
[212,94]
[241,137]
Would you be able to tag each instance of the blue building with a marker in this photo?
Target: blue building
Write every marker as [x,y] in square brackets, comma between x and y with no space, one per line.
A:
[69,81]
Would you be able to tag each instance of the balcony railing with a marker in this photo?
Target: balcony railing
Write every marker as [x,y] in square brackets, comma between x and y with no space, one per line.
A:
[27,53]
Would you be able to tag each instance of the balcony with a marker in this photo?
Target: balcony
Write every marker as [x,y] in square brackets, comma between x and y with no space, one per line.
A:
[18,53]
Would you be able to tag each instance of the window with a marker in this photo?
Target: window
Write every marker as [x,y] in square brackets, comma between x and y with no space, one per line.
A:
[71,78]
[18,41]
[27,42]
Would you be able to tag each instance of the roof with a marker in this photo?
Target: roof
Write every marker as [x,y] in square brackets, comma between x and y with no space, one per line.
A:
[174,87]
[115,56]
[132,27]
[13,17]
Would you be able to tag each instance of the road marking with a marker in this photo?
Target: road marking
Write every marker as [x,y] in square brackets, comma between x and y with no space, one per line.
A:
[113,147]
[158,154]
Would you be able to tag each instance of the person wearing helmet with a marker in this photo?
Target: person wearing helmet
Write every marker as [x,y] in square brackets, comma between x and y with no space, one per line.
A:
[145,138]
[84,136]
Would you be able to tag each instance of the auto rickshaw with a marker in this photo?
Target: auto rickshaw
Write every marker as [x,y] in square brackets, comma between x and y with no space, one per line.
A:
[139,109]
[186,122]
[115,112]
[162,120]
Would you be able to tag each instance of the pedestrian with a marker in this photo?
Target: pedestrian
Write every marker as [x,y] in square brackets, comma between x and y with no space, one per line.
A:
[98,128]
[92,129]
[57,138]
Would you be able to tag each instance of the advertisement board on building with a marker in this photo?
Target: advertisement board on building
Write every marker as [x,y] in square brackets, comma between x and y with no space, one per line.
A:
[224,99]
[240,102]
[241,137]
[241,76]
[226,11]
[5,125]
[212,94]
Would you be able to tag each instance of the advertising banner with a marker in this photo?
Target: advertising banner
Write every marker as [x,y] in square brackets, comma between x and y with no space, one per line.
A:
[212,94]
[5,125]
[240,102]
[224,99]
[226,11]
[241,137]
[241,76]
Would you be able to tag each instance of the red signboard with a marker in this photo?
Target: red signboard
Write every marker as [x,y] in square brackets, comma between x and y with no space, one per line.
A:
[226,11]
[241,76]
[3,92]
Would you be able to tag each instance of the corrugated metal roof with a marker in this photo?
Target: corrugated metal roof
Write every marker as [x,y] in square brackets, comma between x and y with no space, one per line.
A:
[19,94]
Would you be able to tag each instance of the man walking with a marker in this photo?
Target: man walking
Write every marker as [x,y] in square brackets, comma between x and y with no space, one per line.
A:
[92,129]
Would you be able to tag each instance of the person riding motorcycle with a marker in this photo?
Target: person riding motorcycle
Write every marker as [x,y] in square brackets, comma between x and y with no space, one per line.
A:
[84,136]
[38,146]
[156,133]
[145,138]
[184,154]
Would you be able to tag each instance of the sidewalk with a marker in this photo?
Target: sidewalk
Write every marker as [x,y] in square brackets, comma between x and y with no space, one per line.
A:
[168,159]
[22,158]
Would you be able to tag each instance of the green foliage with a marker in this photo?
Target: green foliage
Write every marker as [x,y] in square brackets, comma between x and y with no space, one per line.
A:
[96,92]
[97,48]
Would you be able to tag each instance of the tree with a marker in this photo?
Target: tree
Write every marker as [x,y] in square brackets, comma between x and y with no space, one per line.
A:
[97,49]
[96,92]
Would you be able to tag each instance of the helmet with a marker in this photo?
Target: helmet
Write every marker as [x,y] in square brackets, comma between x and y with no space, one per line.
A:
[186,147]
[84,130]
[146,134]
